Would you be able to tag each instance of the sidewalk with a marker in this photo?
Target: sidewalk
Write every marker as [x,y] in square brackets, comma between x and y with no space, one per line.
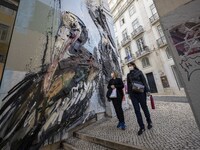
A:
[174,129]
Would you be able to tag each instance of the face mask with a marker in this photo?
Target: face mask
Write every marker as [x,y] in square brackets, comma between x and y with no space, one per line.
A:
[131,68]
[112,75]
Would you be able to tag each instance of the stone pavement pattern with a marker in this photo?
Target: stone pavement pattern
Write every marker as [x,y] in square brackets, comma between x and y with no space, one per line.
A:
[174,128]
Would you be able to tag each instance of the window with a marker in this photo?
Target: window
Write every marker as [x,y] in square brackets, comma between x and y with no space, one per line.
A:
[3,32]
[160,31]
[135,24]
[145,62]
[128,52]
[140,44]
[168,52]
[124,34]
[153,9]
[132,10]
[164,81]
[122,21]
[1,58]
[178,80]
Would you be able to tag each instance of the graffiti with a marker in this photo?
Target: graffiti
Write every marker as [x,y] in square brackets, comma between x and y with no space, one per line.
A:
[190,65]
[186,39]
[56,97]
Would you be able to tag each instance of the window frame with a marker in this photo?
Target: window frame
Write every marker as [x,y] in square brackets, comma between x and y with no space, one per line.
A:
[124,34]
[122,21]
[145,62]
[4,28]
[168,53]
[135,24]
[153,9]
[141,44]
[160,31]
[132,10]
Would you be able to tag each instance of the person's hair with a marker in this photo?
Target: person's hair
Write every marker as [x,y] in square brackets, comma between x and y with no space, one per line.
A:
[115,73]
[133,64]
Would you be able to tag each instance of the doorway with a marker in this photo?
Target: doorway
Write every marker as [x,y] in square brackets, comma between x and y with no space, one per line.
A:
[151,82]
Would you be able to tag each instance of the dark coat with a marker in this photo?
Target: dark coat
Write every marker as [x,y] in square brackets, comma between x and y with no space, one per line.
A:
[138,76]
[118,83]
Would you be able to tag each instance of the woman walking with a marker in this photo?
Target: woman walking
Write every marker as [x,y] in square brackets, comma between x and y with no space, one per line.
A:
[138,91]
[116,85]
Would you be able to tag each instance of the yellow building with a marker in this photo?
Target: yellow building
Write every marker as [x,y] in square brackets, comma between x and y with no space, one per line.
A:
[7,18]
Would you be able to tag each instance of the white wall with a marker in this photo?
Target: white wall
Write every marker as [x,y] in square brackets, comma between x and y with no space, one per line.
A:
[158,57]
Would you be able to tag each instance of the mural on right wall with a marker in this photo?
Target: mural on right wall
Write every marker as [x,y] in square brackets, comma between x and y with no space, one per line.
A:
[186,39]
[58,96]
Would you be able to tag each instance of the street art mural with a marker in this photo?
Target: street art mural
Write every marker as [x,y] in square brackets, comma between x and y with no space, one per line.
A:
[59,95]
[181,25]
[186,39]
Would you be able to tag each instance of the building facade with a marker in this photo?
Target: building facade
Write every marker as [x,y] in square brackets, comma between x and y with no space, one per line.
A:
[140,39]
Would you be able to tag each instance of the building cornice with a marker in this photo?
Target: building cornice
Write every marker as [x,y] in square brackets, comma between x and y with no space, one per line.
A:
[123,9]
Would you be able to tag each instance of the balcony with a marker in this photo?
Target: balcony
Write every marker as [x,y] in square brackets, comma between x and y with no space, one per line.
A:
[161,42]
[153,19]
[125,41]
[129,58]
[144,52]
[137,32]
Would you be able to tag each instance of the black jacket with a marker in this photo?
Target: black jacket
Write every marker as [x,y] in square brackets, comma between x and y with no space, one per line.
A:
[118,83]
[136,75]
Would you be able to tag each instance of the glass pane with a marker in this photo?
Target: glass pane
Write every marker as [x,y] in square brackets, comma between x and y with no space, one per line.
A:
[153,9]
[140,44]
[160,31]
[135,24]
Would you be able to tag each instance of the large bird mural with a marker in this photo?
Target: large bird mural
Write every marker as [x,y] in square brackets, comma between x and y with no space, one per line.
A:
[57,97]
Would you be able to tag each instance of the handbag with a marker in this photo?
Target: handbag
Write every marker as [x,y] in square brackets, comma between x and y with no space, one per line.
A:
[152,102]
[114,93]
[137,87]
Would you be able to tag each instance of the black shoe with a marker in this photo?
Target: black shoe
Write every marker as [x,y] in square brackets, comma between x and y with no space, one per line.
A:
[149,126]
[141,131]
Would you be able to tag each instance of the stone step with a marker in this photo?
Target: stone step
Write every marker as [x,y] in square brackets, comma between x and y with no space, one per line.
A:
[59,146]
[106,143]
[170,98]
[79,144]
[73,143]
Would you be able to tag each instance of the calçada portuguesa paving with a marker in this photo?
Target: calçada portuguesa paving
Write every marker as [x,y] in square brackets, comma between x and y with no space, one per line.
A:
[174,128]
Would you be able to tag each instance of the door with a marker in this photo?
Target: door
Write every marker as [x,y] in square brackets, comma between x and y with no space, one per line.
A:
[151,82]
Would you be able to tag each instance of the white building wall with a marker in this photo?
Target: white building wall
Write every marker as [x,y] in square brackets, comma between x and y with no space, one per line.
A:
[159,62]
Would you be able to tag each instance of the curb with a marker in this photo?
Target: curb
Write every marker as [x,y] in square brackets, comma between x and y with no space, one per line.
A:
[67,146]
[59,145]
[107,143]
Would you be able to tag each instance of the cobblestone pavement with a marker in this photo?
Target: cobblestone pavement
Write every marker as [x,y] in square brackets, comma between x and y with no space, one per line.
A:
[84,145]
[174,128]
